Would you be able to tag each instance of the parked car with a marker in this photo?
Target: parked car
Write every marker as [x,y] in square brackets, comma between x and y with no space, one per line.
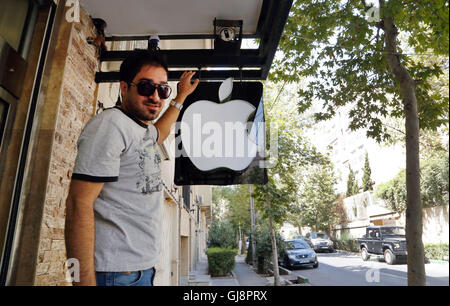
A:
[298,253]
[298,237]
[388,241]
[320,242]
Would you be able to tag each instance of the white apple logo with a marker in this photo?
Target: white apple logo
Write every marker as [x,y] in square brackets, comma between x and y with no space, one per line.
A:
[215,135]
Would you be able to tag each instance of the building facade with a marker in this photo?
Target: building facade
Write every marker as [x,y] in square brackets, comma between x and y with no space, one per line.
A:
[42,116]
[348,149]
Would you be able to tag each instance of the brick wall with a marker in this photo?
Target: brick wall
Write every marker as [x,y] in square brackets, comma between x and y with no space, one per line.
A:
[77,105]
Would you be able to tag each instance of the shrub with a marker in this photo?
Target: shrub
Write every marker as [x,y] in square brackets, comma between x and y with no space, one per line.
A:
[394,192]
[220,261]
[438,251]
[222,235]
[346,244]
[352,245]
[434,185]
[435,181]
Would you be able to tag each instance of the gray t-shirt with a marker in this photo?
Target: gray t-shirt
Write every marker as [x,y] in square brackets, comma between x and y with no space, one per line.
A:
[121,151]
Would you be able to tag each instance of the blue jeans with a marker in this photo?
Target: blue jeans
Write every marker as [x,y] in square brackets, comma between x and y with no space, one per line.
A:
[136,278]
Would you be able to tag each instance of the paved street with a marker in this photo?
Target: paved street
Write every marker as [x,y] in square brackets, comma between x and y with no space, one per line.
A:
[341,269]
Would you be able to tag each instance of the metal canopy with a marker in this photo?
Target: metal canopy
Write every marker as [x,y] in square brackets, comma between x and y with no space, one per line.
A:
[262,19]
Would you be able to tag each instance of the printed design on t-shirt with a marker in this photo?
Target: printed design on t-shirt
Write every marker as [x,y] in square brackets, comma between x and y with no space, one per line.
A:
[149,179]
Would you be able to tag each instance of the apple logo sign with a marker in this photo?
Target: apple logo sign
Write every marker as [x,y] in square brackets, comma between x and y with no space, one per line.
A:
[216,135]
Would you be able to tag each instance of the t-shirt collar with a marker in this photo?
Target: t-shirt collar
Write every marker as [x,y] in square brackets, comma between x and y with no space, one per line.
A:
[132,117]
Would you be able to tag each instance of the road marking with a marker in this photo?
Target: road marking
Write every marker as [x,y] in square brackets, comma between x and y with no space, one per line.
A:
[394,276]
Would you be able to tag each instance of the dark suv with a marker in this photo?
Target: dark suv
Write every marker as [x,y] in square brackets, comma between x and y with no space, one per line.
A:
[389,241]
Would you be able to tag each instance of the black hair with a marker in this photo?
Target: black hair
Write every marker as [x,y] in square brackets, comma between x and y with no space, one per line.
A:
[139,58]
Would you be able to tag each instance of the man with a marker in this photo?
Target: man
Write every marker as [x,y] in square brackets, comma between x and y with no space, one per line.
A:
[113,209]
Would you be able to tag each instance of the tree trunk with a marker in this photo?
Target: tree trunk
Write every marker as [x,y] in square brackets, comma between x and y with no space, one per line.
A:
[416,257]
[276,271]
[244,244]
[315,220]
[253,233]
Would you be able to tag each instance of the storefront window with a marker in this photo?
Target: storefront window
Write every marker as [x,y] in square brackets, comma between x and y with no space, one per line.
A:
[13,16]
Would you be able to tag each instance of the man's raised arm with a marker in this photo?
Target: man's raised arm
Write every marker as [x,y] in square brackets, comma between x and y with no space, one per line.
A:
[185,88]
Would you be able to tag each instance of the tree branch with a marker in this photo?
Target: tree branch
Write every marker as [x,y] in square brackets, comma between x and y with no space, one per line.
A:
[392,56]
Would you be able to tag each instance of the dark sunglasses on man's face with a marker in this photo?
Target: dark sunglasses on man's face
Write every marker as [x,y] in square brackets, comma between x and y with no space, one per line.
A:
[147,88]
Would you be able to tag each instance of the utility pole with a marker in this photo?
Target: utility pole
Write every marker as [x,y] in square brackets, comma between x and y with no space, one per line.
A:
[240,240]
[252,235]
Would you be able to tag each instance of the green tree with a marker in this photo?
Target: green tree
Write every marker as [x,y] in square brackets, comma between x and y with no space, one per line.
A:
[235,201]
[294,216]
[348,57]
[239,207]
[220,202]
[434,185]
[432,141]
[264,245]
[238,212]
[222,235]
[367,180]
[352,183]
[275,199]
[394,192]
[318,198]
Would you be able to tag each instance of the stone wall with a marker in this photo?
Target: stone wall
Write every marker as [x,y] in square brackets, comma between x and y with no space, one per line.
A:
[435,224]
[77,105]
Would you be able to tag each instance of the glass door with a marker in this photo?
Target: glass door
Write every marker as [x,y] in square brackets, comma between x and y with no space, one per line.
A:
[15,17]
[18,19]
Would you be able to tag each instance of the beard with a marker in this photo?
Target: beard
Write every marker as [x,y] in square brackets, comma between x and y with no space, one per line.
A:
[141,112]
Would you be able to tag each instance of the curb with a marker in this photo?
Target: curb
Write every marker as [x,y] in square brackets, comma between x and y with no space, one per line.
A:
[346,252]
[436,261]
[299,281]
[235,278]
[302,279]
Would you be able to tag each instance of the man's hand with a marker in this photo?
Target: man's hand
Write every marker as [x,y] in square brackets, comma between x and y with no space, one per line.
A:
[185,86]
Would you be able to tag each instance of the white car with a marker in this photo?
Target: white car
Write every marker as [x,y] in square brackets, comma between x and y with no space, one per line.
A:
[320,242]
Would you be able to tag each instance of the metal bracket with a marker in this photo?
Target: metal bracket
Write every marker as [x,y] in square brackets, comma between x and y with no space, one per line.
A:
[99,40]
[227,36]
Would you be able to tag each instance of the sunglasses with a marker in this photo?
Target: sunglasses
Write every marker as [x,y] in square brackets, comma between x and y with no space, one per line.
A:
[146,88]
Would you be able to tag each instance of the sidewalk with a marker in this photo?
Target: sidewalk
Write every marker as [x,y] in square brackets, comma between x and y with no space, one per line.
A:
[243,275]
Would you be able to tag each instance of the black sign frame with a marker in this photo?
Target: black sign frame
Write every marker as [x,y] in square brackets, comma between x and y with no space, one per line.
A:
[185,171]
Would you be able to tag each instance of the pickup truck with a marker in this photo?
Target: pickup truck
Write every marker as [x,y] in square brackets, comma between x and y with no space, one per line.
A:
[388,241]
